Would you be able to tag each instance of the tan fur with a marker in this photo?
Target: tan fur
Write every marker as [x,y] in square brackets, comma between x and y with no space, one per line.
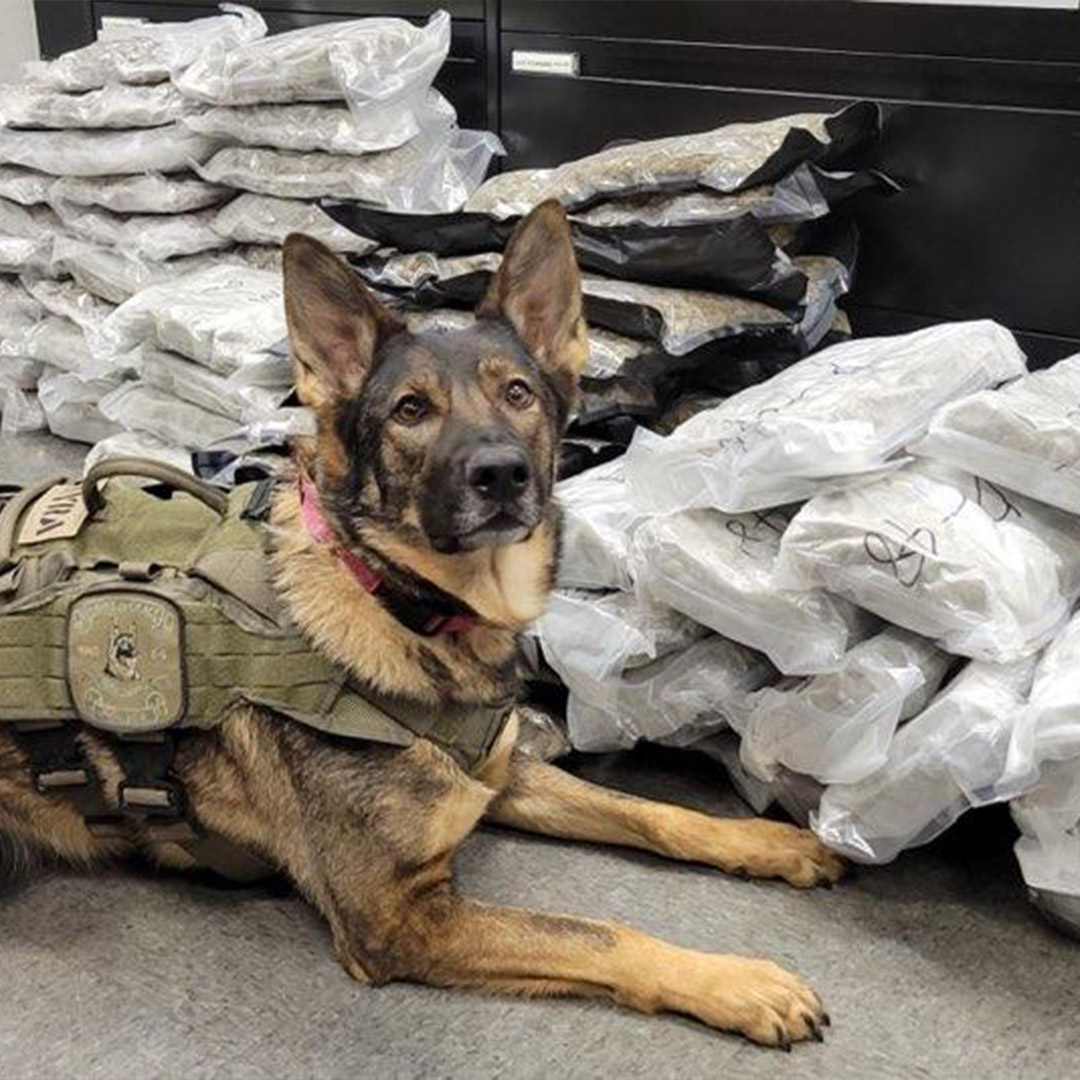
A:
[368,833]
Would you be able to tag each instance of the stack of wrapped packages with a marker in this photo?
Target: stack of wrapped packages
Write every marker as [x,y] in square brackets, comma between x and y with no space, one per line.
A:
[709,260]
[158,241]
[866,571]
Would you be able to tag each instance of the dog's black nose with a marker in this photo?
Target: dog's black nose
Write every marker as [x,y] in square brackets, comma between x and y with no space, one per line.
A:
[499,473]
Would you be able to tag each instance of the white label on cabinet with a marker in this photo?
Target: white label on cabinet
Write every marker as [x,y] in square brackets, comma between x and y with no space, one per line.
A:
[545,63]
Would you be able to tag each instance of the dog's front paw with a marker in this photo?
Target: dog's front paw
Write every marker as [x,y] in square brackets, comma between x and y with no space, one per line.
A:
[756,998]
[756,847]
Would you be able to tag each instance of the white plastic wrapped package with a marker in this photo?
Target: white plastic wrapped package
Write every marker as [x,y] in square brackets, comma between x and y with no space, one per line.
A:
[679,698]
[720,570]
[372,63]
[430,174]
[945,761]
[29,106]
[727,160]
[837,727]
[1048,729]
[25,186]
[58,342]
[151,193]
[233,396]
[596,636]
[29,222]
[990,574]
[598,522]
[1049,846]
[71,406]
[792,199]
[20,372]
[216,317]
[135,406]
[20,410]
[167,149]
[839,413]
[264,219]
[115,276]
[1025,436]
[326,127]
[69,300]
[19,310]
[147,52]
[33,258]
[128,444]
[149,237]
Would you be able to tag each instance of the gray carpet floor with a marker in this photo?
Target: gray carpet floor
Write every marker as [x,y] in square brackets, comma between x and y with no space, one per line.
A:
[935,967]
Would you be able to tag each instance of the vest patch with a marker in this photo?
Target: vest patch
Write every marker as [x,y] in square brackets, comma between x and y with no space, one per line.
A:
[58,515]
[125,661]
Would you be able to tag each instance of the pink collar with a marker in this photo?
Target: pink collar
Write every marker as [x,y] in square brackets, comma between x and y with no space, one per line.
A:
[321,531]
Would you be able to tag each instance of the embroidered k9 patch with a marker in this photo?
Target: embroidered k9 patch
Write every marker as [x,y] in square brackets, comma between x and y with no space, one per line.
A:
[126,661]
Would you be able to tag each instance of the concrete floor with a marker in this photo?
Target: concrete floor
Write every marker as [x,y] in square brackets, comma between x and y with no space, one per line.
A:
[935,967]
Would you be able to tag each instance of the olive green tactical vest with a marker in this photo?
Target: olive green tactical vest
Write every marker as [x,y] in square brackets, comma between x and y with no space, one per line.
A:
[135,613]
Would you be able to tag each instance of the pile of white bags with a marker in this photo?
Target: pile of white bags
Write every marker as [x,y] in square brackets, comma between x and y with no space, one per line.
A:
[147,182]
[881,734]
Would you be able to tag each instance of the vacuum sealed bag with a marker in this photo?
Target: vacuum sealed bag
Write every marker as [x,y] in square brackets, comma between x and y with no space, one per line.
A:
[1025,436]
[117,106]
[148,194]
[837,727]
[327,127]
[128,444]
[150,237]
[71,406]
[217,317]
[1049,846]
[135,406]
[32,258]
[804,195]
[372,63]
[19,310]
[432,173]
[728,159]
[679,698]
[234,396]
[148,52]
[25,186]
[989,574]
[945,761]
[834,415]
[56,341]
[264,219]
[28,222]
[1048,729]
[116,276]
[720,570]
[69,300]
[102,153]
[20,410]
[599,519]
[594,636]
[724,256]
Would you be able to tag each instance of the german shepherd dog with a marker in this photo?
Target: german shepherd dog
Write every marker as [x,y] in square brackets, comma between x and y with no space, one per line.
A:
[434,459]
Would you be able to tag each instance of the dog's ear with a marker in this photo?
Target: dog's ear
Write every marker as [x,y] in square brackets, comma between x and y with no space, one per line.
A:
[335,324]
[537,289]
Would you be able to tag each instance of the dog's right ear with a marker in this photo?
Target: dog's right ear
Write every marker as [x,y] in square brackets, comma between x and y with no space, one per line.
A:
[335,324]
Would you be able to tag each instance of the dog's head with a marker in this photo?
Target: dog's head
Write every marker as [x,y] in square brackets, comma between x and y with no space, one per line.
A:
[447,441]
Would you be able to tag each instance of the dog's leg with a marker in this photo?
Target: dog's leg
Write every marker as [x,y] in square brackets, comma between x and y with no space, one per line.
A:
[543,799]
[441,939]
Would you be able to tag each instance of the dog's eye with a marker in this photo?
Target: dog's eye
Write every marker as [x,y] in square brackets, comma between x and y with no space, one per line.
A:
[411,409]
[519,394]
